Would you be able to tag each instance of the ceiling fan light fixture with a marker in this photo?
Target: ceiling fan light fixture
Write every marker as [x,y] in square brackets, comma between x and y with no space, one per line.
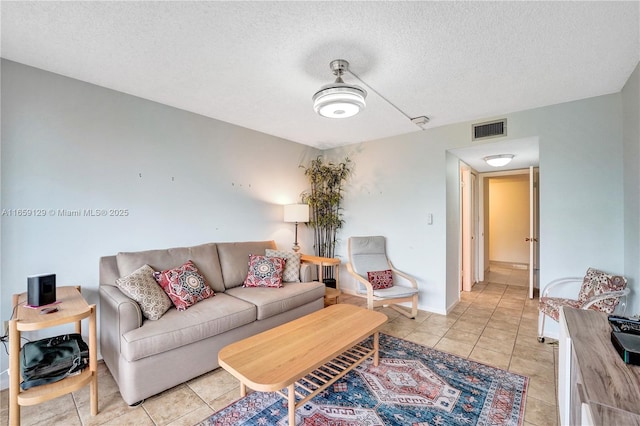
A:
[338,99]
[498,160]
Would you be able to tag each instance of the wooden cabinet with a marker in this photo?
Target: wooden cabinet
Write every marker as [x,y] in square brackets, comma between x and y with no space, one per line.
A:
[72,308]
[595,387]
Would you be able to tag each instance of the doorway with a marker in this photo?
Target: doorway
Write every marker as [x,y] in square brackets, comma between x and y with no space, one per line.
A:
[506,228]
[525,153]
[508,248]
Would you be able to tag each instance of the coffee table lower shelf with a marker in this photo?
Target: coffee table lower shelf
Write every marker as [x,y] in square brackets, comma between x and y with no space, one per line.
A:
[324,376]
[301,358]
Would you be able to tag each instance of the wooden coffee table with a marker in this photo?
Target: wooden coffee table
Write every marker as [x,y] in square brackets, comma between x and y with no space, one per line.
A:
[306,355]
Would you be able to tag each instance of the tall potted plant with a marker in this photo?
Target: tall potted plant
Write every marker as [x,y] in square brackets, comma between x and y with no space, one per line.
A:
[325,196]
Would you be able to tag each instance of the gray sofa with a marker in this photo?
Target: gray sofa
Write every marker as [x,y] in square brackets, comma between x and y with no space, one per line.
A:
[147,357]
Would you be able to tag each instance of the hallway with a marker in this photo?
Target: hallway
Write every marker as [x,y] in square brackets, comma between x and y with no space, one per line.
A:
[502,273]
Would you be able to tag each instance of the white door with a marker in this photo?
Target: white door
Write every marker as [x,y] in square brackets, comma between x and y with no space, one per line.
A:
[533,239]
[474,229]
[467,228]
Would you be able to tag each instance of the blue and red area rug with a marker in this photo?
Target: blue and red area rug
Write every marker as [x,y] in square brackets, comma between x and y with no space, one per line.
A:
[413,385]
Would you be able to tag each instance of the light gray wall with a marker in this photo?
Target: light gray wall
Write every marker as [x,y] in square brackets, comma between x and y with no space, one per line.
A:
[396,183]
[183,178]
[631,138]
[69,145]
[399,180]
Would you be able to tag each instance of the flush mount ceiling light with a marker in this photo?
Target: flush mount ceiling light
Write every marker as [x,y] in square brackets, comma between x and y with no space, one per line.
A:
[498,160]
[339,99]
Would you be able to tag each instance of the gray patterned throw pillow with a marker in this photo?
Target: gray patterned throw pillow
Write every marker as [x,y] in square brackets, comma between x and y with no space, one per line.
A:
[291,272]
[143,288]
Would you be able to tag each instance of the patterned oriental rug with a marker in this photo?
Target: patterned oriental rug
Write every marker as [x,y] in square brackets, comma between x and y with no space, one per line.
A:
[413,385]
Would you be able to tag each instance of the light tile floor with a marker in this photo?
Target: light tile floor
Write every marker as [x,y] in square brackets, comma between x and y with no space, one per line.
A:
[494,324]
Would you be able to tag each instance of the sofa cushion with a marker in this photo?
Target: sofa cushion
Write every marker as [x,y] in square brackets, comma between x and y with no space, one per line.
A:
[234,259]
[143,288]
[184,285]
[205,319]
[274,301]
[205,256]
[291,272]
[264,271]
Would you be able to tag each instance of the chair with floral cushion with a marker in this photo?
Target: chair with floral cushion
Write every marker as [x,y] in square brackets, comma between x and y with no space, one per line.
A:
[376,278]
[599,291]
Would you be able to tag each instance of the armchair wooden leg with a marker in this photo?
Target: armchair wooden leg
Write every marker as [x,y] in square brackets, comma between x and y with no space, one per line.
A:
[404,311]
[414,307]
[370,304]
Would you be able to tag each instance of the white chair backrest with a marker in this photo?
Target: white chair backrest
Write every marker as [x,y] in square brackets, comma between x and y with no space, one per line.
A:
[368,254]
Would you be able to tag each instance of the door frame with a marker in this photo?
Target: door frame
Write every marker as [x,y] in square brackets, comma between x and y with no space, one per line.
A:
[479,219]
[467,238]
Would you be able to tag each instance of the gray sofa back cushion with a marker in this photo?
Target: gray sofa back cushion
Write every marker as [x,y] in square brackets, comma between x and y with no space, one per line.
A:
[205,256]
[234,259]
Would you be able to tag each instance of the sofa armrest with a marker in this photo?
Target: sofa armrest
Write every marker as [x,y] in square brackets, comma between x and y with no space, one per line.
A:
[118,315]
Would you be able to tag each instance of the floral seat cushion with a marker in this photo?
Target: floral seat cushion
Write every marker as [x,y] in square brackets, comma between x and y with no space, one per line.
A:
[551,305]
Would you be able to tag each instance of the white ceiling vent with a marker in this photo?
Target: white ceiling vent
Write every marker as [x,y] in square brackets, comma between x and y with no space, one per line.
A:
[489,129]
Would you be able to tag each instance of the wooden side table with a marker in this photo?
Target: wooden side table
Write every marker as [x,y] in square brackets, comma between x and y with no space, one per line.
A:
[331,295]
[72,308]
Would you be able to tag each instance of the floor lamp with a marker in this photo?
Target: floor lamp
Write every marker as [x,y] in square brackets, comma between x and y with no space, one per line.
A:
[296,213]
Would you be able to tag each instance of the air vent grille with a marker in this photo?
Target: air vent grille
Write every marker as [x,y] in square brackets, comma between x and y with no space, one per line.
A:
[490,129]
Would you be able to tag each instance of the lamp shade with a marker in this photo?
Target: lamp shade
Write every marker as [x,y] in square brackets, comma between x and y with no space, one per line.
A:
[296,213]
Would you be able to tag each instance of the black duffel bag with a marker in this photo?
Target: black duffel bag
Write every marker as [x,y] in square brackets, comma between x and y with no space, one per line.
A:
[52,359]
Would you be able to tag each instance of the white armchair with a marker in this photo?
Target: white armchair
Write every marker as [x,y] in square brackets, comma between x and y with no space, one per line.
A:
[599,291]
[377,280]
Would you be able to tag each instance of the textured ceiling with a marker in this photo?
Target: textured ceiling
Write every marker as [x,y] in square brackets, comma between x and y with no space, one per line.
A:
[257,64]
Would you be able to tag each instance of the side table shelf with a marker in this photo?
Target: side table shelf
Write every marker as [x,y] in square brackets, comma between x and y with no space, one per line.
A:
[331,294]
[72,308]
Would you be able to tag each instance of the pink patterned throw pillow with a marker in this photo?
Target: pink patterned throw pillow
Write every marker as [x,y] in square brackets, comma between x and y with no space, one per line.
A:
[264,271]
[184,285]
[380,279]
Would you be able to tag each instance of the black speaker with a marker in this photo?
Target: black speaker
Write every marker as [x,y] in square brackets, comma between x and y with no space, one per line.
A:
[41,289]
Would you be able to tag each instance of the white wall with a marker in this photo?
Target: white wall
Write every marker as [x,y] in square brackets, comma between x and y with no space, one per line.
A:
[509,219]
[399,180]
[67,144]
[631,138]
[396,183]
[184,179]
